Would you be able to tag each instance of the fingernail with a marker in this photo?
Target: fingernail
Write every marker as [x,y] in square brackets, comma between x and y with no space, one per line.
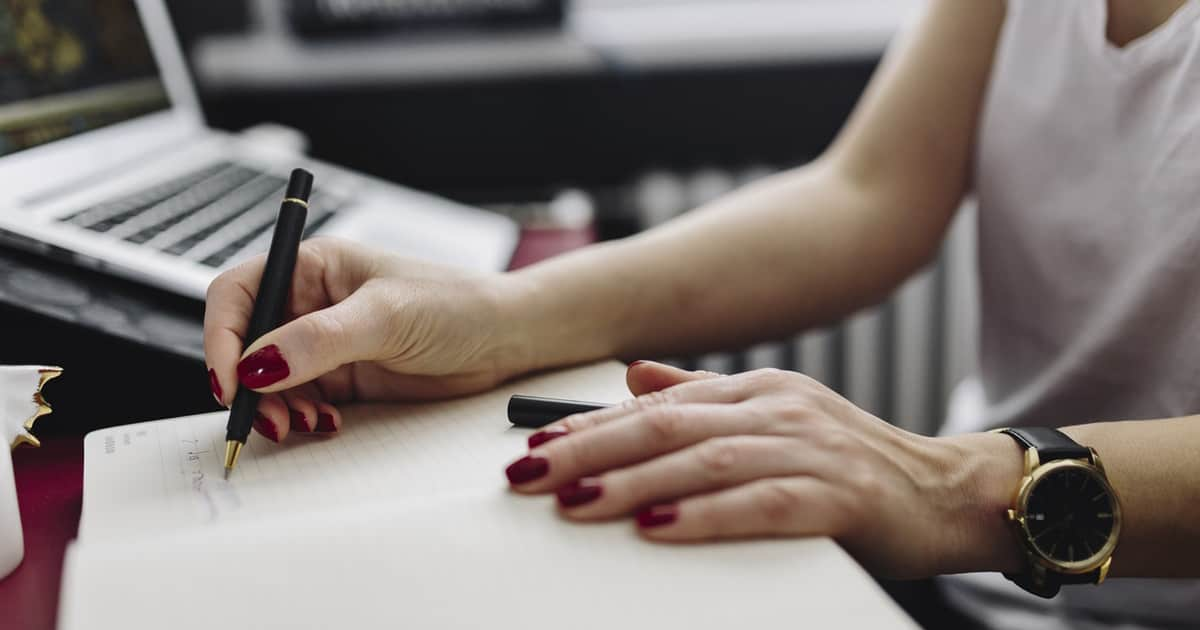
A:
[215,385]
[527,469]
[266,427]
[636,363]
[297,421]
[657,515]
[264,367]
[580,492]
[545,435]
[325,423]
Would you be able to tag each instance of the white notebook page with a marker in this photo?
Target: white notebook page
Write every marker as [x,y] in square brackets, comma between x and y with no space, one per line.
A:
[478,561]
[160,476]
[405,520]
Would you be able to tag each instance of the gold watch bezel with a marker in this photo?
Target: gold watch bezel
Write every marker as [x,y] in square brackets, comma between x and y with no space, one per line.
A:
[1035,471]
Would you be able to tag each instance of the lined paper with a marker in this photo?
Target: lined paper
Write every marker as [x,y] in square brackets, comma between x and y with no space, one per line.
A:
[404,520]
[168,474]
[485,559]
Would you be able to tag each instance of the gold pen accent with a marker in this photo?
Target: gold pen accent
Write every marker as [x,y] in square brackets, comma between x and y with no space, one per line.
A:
[295,200]
[233,448]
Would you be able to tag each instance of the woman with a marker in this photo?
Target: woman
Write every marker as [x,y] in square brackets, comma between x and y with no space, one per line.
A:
[1077,127]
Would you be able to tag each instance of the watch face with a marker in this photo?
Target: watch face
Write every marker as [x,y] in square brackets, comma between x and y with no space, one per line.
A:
[1069,514]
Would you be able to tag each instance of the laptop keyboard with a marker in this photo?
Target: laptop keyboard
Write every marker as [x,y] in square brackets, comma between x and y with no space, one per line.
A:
[210,215]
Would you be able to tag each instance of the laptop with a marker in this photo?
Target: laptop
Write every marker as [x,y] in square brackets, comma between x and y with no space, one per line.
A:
[105,161]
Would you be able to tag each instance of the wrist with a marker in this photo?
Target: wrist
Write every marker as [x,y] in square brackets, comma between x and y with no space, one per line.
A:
[987,468]
[513,334]
[557,317]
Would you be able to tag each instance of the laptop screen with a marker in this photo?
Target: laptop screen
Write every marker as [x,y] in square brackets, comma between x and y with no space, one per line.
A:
[71,66]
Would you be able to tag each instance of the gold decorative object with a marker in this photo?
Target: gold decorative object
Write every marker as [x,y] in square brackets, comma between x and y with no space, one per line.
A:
[19,410]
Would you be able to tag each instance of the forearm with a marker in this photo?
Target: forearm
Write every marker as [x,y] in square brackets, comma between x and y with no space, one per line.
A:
[1153,466]
[796,250]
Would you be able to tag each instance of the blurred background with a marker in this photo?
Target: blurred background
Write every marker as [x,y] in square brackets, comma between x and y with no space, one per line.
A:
[584,120]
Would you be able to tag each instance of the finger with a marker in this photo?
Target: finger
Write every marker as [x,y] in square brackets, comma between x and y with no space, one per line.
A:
[700,390]
[227,309]
[313,344]
[711,465]
[302,411]
[649,433]
[793,506]
[329,419]
[230,301]
[644,377]
[272,418]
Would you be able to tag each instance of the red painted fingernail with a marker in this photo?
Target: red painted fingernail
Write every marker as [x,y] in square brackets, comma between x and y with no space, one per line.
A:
[264,367]
[545,435]
[297,421]
[657,515]
[266,427]
[215,385]
[636,363]
[527,469]
[325,423]
[580,492]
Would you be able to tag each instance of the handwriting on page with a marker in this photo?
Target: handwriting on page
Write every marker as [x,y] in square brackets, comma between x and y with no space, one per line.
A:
[169,473]
[211,495]
[382,452]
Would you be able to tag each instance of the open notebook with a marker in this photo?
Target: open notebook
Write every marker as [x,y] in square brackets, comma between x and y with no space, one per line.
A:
[404,520]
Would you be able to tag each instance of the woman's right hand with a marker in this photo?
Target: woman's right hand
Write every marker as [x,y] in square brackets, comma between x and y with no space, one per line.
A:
[360,325]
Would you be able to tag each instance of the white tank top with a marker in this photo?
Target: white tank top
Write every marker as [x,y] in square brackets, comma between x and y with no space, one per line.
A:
[1087,176]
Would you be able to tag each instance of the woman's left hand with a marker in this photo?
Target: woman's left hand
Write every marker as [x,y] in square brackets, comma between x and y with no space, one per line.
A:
[699,457]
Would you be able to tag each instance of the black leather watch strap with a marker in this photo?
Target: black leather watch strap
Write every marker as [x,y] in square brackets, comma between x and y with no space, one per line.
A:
[1050,444]
[1050,582]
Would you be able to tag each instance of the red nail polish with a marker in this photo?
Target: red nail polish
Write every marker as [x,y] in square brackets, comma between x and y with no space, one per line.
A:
[215,385]
[580,492]
[658,515]
[545,435]
[636,363]
[266,427]
[264,367]
[325,423]
[527,469]
[297,421]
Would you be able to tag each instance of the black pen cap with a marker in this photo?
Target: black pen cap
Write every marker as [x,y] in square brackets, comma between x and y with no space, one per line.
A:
[300,185]
[536,412]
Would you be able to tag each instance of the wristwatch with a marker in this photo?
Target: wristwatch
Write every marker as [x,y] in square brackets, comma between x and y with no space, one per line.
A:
[1065,513]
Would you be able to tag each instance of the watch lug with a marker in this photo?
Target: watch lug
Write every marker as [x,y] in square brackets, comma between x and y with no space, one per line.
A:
[1097,463]
[1103,574]
[1032,461]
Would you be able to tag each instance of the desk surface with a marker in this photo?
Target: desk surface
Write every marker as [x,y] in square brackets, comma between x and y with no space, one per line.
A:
[50,479]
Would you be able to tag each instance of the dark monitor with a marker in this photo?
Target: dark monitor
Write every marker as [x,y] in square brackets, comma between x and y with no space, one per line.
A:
[71,66]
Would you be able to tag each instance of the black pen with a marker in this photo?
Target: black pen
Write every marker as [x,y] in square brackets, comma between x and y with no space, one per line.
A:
[536,412]
[268,306]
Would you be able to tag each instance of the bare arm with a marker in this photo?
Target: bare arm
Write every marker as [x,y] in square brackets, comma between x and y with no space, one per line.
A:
[774,453]
[1154,467]
[795,250]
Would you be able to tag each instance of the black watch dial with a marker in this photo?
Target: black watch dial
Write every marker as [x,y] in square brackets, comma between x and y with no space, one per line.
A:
[1069,514]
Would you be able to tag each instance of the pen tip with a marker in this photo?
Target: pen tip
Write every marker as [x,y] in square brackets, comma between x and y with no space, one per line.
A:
[232,449]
